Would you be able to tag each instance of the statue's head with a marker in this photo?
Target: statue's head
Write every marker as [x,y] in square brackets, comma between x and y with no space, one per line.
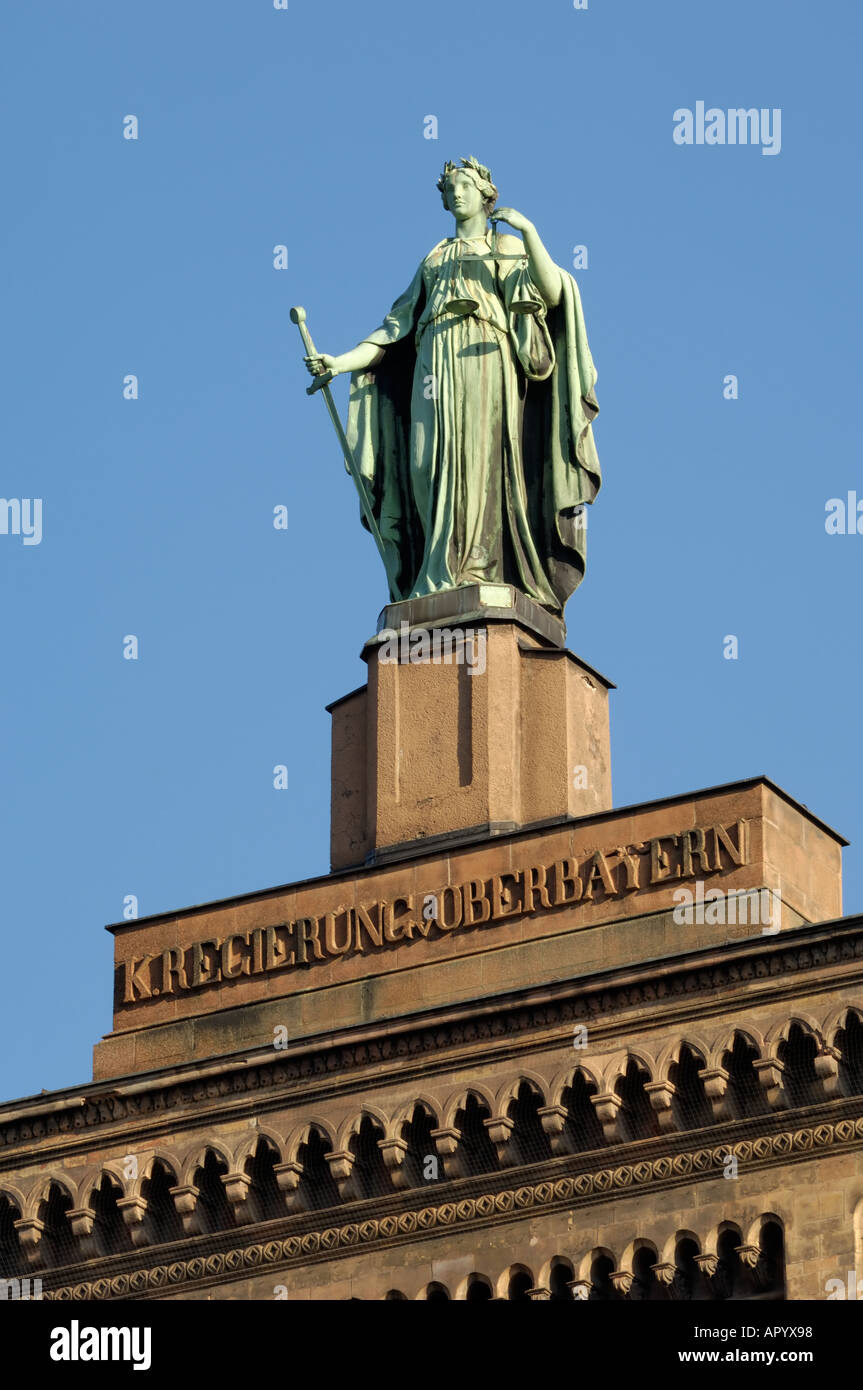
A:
[470,172]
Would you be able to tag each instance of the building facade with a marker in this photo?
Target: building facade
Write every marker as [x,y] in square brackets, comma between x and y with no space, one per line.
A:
[518,1044]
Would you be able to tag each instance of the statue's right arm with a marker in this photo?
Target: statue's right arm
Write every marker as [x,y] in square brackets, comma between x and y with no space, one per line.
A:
[362,356]
[399,322]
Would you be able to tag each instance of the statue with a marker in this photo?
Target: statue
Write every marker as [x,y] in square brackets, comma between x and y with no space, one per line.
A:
[471,409]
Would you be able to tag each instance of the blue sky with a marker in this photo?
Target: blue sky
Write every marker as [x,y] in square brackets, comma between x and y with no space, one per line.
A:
[305,127]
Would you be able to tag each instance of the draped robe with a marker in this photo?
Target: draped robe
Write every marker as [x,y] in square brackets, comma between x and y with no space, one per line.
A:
[474,431]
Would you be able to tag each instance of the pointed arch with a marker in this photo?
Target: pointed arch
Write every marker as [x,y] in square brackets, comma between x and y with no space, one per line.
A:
[196,1157]
[778,1032]
[405,1114]
[616,1067]
[509,1090]
[247,1146]
[669,1056]
[752,1038]
[299,1136]
[458,1099]
[40,1190]
[563,1081]
[351,1126]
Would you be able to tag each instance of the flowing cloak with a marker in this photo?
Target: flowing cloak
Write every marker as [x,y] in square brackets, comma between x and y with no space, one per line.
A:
[400,432]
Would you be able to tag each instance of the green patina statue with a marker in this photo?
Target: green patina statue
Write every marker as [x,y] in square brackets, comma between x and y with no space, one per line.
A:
[471,410]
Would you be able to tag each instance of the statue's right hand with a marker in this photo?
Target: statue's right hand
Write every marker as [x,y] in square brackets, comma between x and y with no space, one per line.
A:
[322,362]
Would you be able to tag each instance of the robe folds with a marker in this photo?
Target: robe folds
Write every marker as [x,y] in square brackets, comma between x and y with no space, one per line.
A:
[474,432]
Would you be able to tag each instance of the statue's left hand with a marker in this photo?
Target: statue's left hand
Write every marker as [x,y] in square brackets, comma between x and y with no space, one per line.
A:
[512,218]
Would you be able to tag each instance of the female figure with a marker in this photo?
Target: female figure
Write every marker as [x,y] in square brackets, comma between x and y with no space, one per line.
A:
[471,407]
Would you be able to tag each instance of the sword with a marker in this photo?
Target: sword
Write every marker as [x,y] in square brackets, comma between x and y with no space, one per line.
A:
[322,383]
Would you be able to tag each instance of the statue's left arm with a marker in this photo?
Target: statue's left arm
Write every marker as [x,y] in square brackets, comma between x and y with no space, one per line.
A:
[543,271]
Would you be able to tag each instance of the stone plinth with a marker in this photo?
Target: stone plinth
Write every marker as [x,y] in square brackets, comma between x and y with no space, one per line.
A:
[464,731]
[472,604]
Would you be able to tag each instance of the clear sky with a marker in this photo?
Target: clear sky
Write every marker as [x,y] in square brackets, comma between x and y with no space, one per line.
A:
[306,127]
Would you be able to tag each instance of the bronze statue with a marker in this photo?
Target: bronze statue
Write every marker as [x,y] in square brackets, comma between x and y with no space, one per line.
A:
[471,409]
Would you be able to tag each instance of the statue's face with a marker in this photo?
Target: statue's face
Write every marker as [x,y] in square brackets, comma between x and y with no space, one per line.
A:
[463,198]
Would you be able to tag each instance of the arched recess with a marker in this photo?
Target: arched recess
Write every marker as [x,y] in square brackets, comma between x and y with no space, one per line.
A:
[622,1061]
[249,1143]
[476,1152]
[637,1118]
[779,1033]
[143,1171]
[595,1272]
[767,1277]
[749,1037]
[162,1222]
[557,1276]
[515,1083]
[38,1194]
[514,1284]
[458,1100]
[729,1281]
[299,1136]
[58,1245]
[197,1156]
[113,1171]
[690,1104]
[12,1258]
[837,1016]
[436,1292]
[797,1051]
[476,1288]
[528,1142]
[670,1054]
[350,1127]
[646,1287]
[213,1211]
[111,1233]
[265,1201]
[689,1282]
[847,1037]
[582,1128]
[745,1096]
[318,1189]
[419,1164]
[369,1176]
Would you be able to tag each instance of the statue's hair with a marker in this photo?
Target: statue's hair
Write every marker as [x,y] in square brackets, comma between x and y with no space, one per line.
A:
[480,175]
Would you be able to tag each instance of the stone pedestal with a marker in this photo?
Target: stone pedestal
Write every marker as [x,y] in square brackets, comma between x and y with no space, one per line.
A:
[463,731]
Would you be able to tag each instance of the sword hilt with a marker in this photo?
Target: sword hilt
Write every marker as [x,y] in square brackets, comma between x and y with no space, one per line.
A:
[298,316]
[323,380]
